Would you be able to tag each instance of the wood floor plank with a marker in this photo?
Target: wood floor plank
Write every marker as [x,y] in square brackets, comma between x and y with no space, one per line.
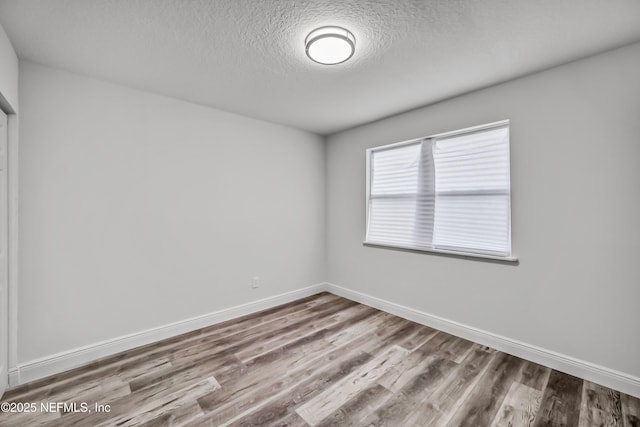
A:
[438,347]
[292,419]
[315,376]
[279,406]
[600,406]
[21,419]
[84,379]
[488,394]
[336,362]
[140,407]
[534,375]
[259,372]
[358,408]
[247,383]
[441,404]
[308,326]
[225,351]
[395,411]
[152,409]
[104,395]
[446,345]
[238,383]
[519,407]
[460,350]
[338,394]
[295,356]
[597,417]
[561,401]
[359,328]
[233,331]
[630,407]
[177,416]
[168,378]
[417,337]
[249,405]
[257,336]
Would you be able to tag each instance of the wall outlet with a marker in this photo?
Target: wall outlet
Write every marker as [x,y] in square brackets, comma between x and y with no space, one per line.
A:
[255,283]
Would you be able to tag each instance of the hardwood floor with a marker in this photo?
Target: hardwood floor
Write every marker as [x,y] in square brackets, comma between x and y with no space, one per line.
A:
[320,361]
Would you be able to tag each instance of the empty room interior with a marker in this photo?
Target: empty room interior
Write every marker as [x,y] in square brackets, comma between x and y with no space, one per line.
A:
[320,213]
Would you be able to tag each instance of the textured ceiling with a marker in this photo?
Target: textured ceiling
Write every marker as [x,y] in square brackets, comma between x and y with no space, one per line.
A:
[247,56]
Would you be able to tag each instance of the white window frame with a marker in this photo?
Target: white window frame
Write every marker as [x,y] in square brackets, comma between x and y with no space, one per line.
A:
[369,152]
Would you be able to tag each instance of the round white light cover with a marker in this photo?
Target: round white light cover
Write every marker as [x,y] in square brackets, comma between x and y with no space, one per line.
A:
[330,45]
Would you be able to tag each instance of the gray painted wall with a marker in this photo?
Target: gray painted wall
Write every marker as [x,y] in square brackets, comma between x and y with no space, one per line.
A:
[138,210]
[575,148]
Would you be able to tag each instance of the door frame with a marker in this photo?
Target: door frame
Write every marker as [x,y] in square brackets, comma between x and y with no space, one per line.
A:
[12,244]
[12,167]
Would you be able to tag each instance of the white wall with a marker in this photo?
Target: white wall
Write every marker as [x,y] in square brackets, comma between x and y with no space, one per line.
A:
[575,142]
[138,210]
[8,74]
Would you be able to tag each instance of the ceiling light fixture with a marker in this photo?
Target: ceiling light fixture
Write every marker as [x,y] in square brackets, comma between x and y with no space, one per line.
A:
[330,45]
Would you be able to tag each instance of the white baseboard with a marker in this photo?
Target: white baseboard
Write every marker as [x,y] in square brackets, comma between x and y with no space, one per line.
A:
[13,377]
[616,380]
[56,363]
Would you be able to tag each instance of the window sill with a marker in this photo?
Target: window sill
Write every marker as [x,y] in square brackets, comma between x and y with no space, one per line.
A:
[466,255]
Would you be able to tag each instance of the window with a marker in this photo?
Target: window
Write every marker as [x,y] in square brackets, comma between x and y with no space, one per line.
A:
[446,193]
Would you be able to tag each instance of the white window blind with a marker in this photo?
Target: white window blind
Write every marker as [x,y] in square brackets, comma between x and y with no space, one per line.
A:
[393,195]
[447,193]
